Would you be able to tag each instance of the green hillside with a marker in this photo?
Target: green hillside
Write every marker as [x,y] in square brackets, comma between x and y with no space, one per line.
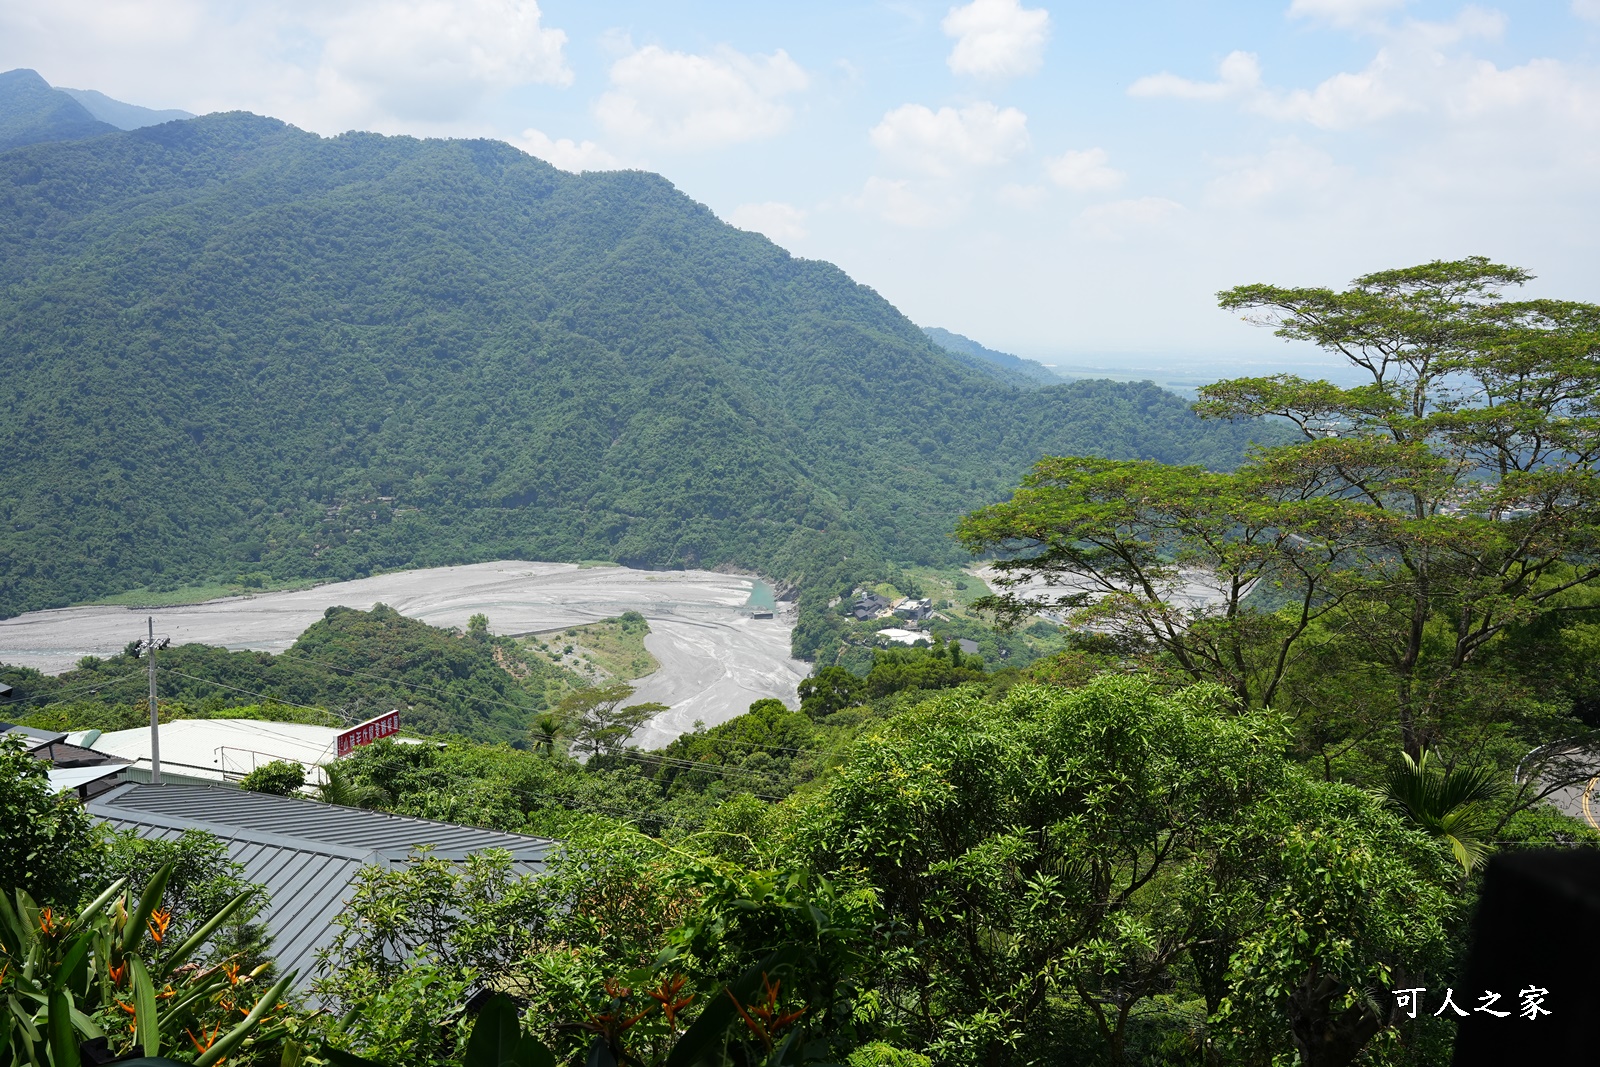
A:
[31,112]
[356,663]
[232,347]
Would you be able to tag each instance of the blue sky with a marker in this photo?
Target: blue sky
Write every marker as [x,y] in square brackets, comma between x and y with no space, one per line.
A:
[1068,181]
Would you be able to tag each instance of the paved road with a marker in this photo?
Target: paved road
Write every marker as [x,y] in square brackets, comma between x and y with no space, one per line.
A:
[715,660]
[1581,801]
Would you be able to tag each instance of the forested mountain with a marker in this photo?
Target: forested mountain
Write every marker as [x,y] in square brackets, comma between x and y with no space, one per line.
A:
[1001,365]
[233,346]
[31,112]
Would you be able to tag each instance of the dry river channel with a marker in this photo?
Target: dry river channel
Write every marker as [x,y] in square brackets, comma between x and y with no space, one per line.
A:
[715,658]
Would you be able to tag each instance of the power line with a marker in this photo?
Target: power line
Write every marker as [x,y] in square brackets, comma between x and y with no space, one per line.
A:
[691,765]
[410,685]
[69,689]
[246,692]
[520,707]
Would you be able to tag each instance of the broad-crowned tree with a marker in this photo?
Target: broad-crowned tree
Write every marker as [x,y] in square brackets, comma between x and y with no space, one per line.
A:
[599,721]
[1453,494]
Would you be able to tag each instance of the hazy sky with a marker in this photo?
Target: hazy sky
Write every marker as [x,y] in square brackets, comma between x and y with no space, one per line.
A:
[1055,179]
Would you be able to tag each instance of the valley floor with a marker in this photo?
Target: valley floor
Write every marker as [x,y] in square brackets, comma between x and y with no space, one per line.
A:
[715,659]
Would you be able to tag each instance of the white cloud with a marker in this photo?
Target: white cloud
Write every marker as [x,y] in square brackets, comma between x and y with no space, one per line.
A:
[1288,174]
[911,204]
[433,59]
[565,153]
[1588,10]
[1418,72]
[996,38]
[1346,99]
[944,142]
[1345,13]
[1120,219]
[1088,171]
[1239,74]
[777,220]
[1021,196]
[412,65]
[686,101]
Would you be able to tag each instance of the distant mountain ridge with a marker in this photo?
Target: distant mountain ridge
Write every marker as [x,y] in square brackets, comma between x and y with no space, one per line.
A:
[1000,365]
[122,116]
[233,347]
[31,112]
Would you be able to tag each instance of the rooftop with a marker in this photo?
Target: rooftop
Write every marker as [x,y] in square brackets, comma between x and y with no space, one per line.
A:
[221,750]
[30,737]
[306,854]
[904,637]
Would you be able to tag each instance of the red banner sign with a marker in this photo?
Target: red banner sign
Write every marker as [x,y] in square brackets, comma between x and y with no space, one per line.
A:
[366,733]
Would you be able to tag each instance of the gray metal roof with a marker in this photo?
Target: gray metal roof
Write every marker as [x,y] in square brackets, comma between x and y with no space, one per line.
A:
[304,853]
[31,737]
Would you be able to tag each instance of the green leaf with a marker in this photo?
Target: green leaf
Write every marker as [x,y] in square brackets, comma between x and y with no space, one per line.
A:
[101,901]
[227,1043]
[146,1024]
[497,1039]
[147,904]
[198,938]
[340,1058]
[706,1038]
[75,955]
[63,1038]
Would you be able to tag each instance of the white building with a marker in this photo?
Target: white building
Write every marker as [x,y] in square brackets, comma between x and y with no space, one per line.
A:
[904,637]
[215,750]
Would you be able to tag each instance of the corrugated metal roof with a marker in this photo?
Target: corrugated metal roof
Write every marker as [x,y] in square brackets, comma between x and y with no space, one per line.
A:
[65,778]
[30,737]
[304,853]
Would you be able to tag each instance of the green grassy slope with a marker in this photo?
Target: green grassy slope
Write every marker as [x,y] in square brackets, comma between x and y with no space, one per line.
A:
[230,346]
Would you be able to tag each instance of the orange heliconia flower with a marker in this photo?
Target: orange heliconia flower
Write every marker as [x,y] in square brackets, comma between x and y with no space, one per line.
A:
[117,972]
[764,1019]
[47,922]
[158,923]
[211,1038]
[671,1003]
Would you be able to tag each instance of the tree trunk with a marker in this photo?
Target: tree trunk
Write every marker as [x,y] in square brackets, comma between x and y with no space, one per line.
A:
[1323,1038]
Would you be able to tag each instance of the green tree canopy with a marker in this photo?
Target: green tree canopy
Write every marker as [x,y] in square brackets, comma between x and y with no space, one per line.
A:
[1083,845]
[1421,514]
[46,839]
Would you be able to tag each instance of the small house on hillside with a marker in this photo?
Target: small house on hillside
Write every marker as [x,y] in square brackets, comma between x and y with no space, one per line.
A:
[913,608]
[869,606]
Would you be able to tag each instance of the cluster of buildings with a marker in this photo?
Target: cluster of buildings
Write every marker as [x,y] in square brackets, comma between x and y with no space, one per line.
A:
[871,605]
[908,613]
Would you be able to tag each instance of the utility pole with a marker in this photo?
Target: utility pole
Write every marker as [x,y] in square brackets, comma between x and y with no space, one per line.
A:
[155,726]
